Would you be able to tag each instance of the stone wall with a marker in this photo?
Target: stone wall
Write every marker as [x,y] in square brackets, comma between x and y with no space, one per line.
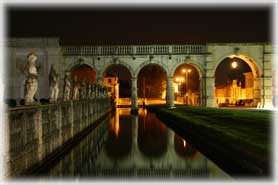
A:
[34,132]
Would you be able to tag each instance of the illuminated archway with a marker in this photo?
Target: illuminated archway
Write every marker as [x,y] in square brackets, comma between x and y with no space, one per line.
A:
[83,72]
[237,82]
[123,76]
[187,82]
[151,83]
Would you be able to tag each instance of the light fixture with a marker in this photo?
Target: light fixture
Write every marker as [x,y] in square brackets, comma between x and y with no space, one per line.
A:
[234,64]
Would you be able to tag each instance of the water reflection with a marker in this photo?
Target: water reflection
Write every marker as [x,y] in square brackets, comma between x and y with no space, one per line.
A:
[184,149]
[119,141]
[135,146]
[152,135]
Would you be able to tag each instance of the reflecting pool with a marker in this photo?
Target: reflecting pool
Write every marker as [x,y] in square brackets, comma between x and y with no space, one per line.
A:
[134,146]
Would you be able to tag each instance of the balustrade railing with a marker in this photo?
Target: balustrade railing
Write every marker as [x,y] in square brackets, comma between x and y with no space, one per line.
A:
[36,131]
[135,49]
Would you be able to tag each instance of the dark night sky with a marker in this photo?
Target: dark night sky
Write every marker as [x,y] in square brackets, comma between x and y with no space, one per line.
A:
[141,25]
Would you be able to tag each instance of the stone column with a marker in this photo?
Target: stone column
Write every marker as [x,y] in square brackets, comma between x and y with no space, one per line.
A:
[210,92]
[170,101]
[202,92]
[99,80]
[134,105]
[267,95]
[267,80]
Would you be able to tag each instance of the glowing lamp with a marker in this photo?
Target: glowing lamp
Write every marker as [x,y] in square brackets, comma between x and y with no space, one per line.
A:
[234,64]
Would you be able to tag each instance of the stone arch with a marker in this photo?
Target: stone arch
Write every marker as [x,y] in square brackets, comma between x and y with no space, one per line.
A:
[142,65]
[83,64]
[119,62]
[256,70]
[72,65]
[200,70]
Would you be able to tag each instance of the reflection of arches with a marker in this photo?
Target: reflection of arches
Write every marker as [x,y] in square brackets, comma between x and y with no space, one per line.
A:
[83,72]
[119,141]
[234,91]
[152,136]
[151,81]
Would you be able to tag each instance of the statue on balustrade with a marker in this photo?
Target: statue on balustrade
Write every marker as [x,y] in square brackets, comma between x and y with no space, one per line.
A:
[83,89]
[89,91]
[105,92]
[67,86]
[54,84]
[93,91]
[31,83]
[75,89]
[96,90]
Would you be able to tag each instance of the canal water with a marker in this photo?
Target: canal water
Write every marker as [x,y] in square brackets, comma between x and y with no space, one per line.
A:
[134,146]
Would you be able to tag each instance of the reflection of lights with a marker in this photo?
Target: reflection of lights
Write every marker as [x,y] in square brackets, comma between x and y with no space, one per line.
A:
[117,122]
[234,64]
[145,111]
[184,143]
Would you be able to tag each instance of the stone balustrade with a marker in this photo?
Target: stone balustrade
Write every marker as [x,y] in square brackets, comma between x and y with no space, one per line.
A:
[36,131]
[135,49]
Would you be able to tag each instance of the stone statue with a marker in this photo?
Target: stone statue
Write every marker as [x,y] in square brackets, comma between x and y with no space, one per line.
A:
[31,83]
[97,91]
[67,86]
[54,84]
[75,89]
[93,91]
[83,89]
[89,91]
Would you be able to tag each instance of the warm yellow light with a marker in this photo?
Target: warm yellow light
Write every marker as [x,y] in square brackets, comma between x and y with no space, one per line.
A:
[234,64]
[186,70]
[184,143]
[177,79]
[181,79]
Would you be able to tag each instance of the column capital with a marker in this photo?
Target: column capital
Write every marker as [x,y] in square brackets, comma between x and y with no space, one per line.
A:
[133,78]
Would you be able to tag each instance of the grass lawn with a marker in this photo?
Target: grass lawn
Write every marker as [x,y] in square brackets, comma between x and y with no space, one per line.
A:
[242,138]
